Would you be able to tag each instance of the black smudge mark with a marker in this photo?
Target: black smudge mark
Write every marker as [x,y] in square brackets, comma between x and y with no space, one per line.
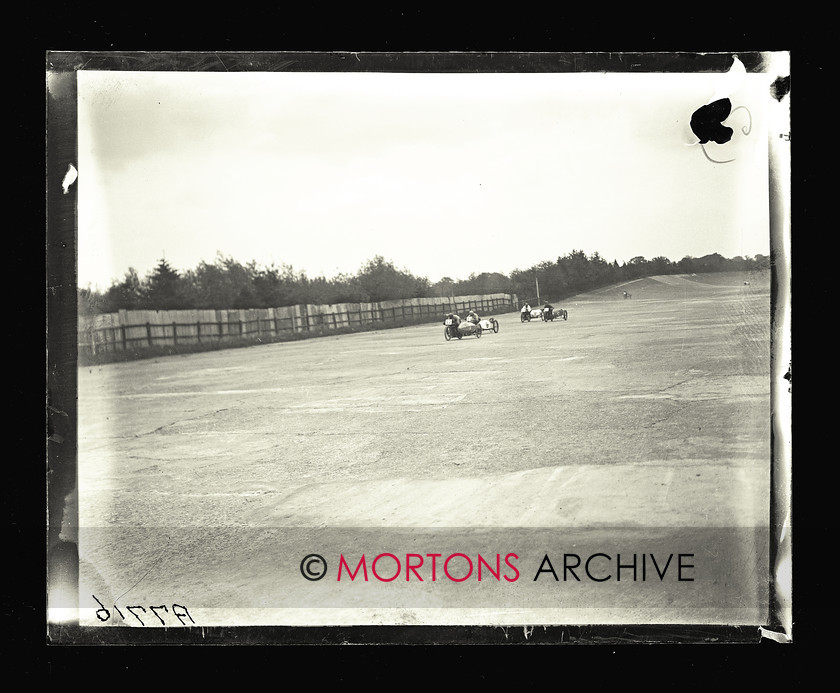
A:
[706,122]
[780,87]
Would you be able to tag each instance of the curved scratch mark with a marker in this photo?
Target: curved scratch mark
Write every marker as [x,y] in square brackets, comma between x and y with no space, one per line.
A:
[746,128]
[714,161]
[154,565]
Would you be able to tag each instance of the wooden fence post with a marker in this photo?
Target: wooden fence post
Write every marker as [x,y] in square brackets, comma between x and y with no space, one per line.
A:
[149,333]
[175,333]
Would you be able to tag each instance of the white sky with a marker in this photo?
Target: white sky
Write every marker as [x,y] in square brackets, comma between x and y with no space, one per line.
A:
[441,174]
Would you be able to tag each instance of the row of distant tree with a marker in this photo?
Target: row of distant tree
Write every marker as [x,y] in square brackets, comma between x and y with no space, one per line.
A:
[227,284]
[576,272]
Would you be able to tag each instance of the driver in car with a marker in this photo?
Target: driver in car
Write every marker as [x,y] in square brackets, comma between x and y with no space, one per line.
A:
[472,317]
[548,308]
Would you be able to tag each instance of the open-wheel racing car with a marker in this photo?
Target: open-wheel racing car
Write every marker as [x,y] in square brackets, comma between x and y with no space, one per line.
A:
[489,325]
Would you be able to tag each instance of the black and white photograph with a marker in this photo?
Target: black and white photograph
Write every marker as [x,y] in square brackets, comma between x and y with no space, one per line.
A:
[373,340]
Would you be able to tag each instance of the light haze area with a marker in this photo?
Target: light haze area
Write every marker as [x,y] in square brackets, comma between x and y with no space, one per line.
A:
[445,175]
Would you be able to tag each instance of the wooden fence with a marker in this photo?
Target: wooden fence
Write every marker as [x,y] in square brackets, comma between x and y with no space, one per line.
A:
[134,330]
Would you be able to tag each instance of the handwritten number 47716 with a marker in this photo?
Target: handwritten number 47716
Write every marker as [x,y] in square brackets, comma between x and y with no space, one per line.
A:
[139,612]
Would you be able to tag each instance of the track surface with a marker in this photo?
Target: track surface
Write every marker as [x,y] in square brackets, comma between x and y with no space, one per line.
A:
[633,419]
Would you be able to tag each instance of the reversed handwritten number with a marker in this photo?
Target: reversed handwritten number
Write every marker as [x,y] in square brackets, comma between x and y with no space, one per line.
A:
[132,608]
[181,616]
[179,611]
[155,612]
[100,610]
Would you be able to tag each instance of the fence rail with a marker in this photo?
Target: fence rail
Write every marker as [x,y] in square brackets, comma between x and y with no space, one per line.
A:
[137,330]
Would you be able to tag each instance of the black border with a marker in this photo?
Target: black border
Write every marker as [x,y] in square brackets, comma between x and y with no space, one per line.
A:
[61,316]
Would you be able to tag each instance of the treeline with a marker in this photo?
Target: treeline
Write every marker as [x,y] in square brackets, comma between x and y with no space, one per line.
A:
[228,284]
[576,272]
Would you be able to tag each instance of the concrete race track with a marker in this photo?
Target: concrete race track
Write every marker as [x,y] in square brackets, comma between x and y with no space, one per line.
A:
[637,428]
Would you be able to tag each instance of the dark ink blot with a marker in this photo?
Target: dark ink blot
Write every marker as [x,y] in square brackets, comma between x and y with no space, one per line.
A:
[706,122]
[780,87]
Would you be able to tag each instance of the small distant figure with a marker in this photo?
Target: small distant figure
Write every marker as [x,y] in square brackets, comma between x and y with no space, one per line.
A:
[626,295]
[526,308]
[746,283]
